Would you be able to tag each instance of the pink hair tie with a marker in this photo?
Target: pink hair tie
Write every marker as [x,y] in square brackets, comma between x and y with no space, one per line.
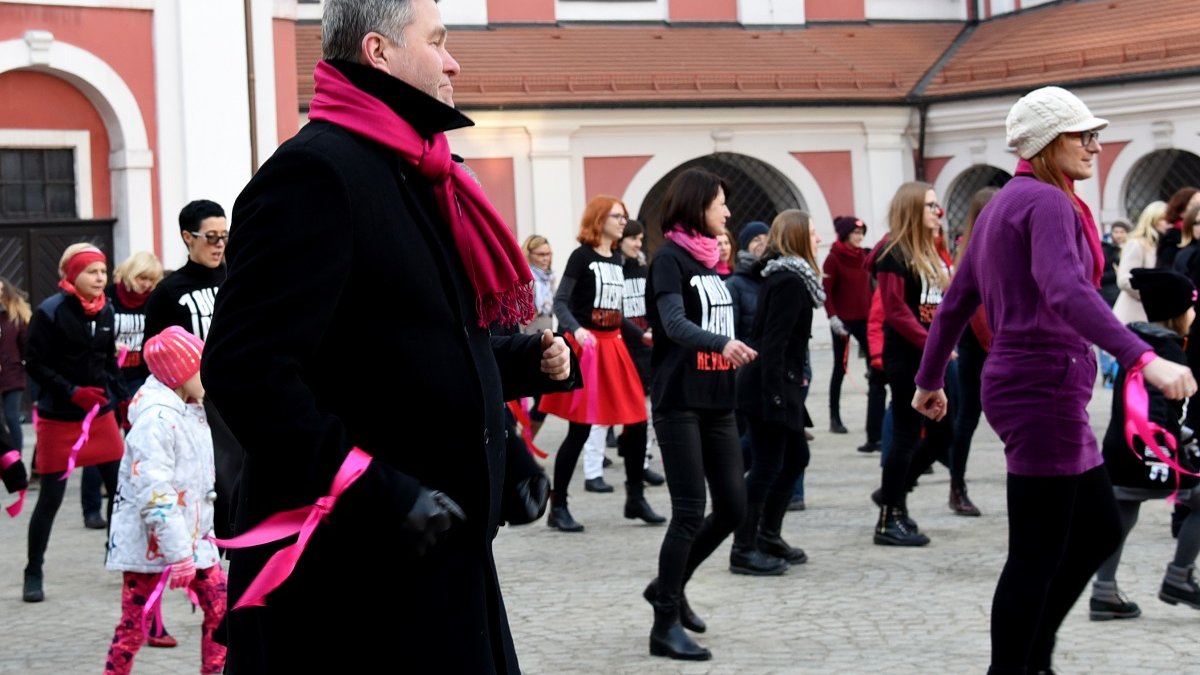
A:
[6,460]
[82,440]
[302,521]
[1137,422]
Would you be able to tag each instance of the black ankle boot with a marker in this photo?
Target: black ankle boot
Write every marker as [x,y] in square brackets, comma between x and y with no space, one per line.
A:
[835,423]
[687,617]
[770,541]
[667,637]
[636,505]
[960,503]
[756,563]
[560,518]
[32,592]
[894,528]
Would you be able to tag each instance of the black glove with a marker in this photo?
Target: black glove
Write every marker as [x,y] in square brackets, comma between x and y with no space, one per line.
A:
[526,501]
[430,516]
[15,477]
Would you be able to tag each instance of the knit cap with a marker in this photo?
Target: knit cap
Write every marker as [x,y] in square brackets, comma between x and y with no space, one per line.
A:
[749,231]
[845,225]
[1166,294]
[1042,114]
[173,356]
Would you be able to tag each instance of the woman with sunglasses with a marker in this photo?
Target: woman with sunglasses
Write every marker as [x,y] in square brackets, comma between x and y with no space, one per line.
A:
[912,271]
[1035,263]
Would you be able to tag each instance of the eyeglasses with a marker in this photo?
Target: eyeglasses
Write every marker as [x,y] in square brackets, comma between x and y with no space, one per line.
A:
[211,237]
[1086,138]
[619,216]
[935,208]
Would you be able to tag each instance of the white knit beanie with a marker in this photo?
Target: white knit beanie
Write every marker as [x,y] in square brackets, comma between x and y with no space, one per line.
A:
[1042,114]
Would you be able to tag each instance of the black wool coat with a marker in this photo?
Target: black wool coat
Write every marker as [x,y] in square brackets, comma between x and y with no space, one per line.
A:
[348,320]
[771,387]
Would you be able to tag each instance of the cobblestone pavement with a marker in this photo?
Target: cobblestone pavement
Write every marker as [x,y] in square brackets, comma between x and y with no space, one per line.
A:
[574,599]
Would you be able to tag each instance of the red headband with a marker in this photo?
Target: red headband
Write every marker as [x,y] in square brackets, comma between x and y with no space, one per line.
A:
[80,261]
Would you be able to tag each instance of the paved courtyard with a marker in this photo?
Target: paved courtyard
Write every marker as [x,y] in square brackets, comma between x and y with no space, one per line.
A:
[574,600]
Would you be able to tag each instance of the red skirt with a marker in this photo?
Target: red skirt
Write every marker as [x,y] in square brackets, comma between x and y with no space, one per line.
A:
[55,439]
[612,392]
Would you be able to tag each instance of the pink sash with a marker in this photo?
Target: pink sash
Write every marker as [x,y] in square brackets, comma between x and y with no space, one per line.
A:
[1137,422]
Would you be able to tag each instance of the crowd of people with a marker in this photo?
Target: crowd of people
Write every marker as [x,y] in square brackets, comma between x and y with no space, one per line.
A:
[221,424]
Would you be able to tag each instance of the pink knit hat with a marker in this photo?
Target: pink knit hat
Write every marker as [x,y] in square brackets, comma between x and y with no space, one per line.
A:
[173,356]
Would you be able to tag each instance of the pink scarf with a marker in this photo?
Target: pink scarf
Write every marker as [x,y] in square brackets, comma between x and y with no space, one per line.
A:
[489,251]
[1089,224]
[704,249]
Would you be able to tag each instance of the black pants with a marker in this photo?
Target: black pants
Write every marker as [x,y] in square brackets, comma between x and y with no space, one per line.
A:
[910,454]
[698,446]
[50,498]
[966,414]
[780,456]
[1060,528]
[631,446]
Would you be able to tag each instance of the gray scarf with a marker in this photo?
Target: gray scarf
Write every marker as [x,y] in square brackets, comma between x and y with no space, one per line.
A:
[798,265]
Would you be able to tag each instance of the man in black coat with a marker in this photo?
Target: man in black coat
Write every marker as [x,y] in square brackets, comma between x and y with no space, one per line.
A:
[355,315]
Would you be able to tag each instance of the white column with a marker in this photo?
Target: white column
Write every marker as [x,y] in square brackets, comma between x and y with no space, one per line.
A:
[129,171]
[888,164]
[553,196]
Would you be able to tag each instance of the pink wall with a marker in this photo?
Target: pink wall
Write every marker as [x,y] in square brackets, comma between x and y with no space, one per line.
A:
[122,38]
[610,175]
[30,100]
[1112,149]
[523,11]
[934,166]
[287,101]
[835,10]
[496,176]
[833,173]
[702,10]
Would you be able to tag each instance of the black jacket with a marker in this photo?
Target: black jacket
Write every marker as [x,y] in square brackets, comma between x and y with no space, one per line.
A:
[184,298]
[348,320]
[771,387]
[68,349]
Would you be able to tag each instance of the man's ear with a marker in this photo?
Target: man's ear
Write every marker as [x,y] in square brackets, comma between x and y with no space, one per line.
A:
[373,54]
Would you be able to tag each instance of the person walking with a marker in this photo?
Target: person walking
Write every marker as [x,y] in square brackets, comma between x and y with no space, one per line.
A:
[162,518]
[1035,263]
[590,309]
[768,392]
[545,285]
[366,256]
[72,356]
[847,302]
[693,397]
[15,315]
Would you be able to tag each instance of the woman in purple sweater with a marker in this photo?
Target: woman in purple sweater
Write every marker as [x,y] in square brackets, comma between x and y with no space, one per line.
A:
[1035,263]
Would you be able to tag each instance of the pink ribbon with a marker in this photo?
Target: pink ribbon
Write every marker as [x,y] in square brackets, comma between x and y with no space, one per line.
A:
[303,521]
[521,414]
[122,352]
[153,604]
[1137,422]
[82,440]
[6,460]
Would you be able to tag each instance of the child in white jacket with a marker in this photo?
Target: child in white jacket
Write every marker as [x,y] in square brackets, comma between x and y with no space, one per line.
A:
[163,511]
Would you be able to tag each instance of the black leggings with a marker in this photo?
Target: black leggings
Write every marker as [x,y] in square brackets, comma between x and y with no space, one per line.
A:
[698,445]
[780,456]
[1060,528]
[966,417]
[50,498]
[631,446]
[876,381]
[910,454]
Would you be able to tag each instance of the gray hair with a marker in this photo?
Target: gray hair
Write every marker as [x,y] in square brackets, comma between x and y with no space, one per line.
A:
[345,23]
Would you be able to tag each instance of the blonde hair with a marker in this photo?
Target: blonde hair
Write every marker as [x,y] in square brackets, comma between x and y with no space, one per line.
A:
[1145,229]
[791,234]
[70,253]
[918,244]
[15,302]
[136,265]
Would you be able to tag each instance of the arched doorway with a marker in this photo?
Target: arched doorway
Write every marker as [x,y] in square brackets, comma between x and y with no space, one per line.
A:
[964,187]
[1157,176]
[757,191]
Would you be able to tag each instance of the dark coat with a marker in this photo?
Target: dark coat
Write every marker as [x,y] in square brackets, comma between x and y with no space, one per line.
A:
[348,320]
[14,336]
[743,287]
[68,349]
[771,387]
[1108,278]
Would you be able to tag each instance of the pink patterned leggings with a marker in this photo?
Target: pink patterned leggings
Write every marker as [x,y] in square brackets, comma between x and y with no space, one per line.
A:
[209,586]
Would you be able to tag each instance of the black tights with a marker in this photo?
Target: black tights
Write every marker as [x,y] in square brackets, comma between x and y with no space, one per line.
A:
[966,418]
[1060,528]
[631,446]
[50,498]
[910,454]
[698,445]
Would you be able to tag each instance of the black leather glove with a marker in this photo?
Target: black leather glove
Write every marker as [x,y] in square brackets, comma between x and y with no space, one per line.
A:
[526,501]
[431,515]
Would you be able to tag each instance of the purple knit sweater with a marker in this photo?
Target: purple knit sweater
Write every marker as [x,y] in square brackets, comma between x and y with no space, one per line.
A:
[1029,264]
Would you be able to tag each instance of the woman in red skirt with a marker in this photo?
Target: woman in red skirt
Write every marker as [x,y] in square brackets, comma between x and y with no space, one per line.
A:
[72,355]
[589,306]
